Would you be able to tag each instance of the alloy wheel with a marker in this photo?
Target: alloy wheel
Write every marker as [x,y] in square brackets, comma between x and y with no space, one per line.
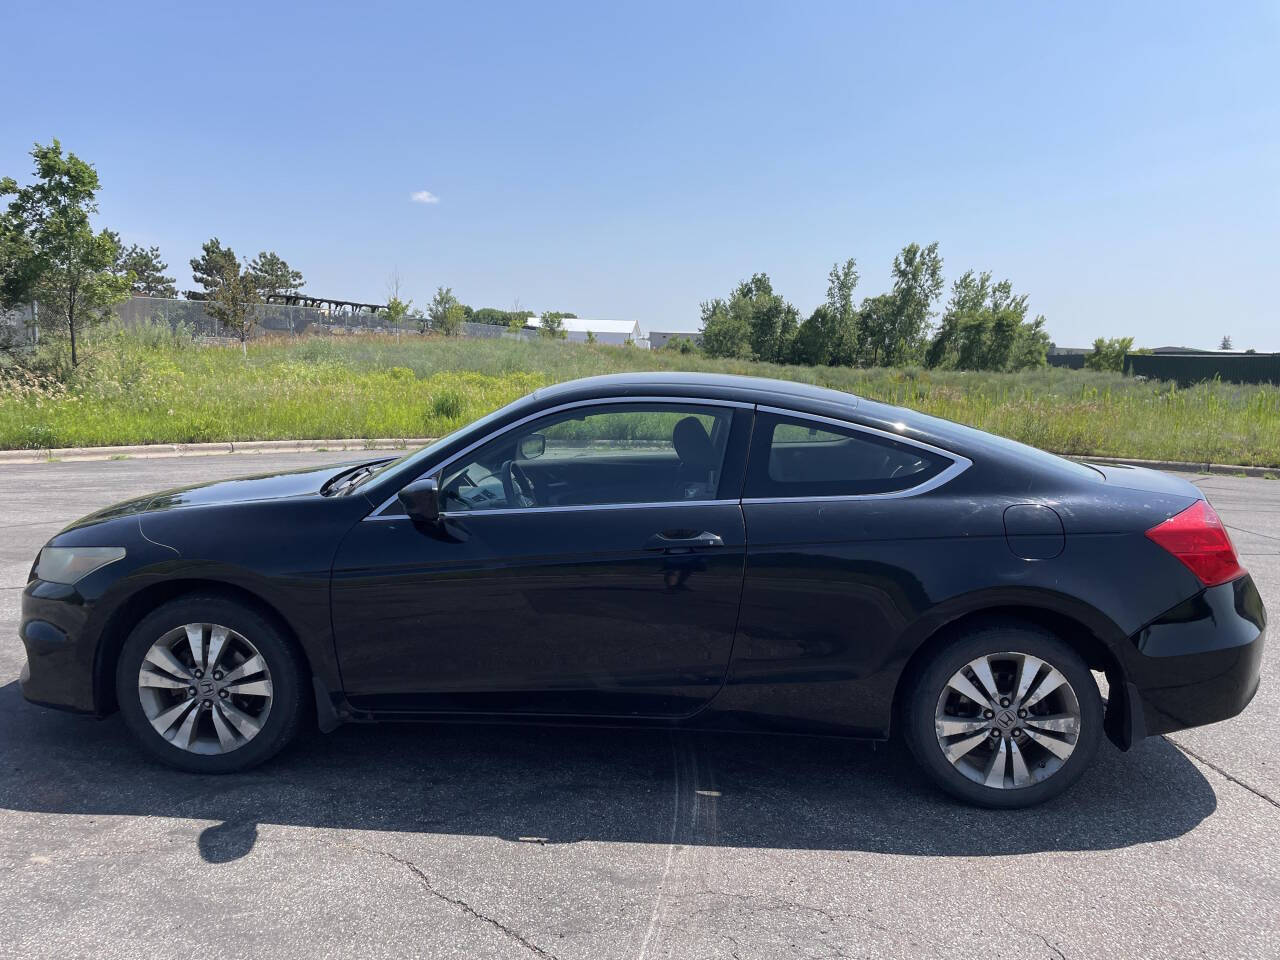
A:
[1007,720]
[205,688]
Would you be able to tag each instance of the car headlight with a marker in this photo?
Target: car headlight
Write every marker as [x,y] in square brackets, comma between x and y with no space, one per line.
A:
[71,564]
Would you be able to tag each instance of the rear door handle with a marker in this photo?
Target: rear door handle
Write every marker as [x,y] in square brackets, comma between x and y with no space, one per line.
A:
[683,540]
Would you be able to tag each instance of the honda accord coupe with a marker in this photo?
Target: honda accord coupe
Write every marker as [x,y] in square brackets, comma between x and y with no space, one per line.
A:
[683,550]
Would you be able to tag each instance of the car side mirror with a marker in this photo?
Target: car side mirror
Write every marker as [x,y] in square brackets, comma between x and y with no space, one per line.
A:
[533,446]
[421,500]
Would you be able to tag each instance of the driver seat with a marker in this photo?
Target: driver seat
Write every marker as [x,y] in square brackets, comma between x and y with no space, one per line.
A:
[699,461]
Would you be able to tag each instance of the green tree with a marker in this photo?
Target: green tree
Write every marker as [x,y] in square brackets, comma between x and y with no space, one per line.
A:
[591,338]
[148,272]
[209,269]
[516,319]
[235,301]
[984,327]
[444,318]
[917,284]
[725,333]
[273,276]
[551,325]
[51,254]
[1225,344]
[1108,354]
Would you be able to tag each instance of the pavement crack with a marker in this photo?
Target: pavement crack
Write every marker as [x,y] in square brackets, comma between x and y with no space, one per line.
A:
[1052,946]
[1234,779]
[461,904]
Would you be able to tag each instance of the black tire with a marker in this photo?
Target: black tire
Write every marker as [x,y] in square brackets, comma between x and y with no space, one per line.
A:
[287,708]
[921,705]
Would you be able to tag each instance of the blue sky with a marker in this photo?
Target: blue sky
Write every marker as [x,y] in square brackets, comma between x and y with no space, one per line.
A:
[1120,163]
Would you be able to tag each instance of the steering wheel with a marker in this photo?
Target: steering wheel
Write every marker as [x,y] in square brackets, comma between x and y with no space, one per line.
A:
[517,488]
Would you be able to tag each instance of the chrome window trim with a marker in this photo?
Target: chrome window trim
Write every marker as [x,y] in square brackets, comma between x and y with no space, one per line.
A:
[959,464]
[444,465]
[566,508]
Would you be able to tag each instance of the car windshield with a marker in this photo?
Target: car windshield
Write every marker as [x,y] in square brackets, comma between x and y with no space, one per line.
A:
[426,453]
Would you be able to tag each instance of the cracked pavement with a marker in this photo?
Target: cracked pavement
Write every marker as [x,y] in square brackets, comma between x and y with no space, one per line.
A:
[455,841]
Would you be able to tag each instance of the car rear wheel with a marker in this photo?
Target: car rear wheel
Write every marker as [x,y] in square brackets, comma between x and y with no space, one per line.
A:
[1006,716]
[209,686]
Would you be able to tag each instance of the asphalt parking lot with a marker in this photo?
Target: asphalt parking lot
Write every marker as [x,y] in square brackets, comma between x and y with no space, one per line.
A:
[433,841]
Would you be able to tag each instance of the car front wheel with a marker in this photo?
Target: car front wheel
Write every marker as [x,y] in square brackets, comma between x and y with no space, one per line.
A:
[1005,716]
[209,686]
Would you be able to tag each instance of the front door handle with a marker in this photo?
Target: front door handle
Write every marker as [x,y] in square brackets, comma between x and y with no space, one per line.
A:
[683,540]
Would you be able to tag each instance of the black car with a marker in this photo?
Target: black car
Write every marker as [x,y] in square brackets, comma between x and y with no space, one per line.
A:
[698,551]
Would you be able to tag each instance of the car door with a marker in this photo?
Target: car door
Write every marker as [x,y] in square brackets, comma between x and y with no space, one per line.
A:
[588,562]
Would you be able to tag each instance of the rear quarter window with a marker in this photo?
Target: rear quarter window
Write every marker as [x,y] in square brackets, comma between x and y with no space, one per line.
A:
[795,457]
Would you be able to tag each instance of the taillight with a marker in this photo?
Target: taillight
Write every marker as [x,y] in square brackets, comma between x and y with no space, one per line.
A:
[1197,537]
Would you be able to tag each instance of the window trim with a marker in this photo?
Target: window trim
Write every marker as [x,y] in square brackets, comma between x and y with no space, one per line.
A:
[959,464]
[377,513]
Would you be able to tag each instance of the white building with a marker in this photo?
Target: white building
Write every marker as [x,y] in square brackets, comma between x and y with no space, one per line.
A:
[615,332]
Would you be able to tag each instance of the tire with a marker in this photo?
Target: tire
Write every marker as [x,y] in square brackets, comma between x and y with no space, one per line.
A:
[940,718]
[258,712]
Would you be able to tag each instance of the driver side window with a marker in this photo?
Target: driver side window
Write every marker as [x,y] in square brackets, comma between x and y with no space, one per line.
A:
[608,454]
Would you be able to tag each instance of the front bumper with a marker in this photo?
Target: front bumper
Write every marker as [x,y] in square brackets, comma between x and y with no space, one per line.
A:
[60,654]
[1201,661]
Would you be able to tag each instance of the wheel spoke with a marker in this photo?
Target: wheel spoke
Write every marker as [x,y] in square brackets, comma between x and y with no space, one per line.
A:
[195,640]
[961,684]
[150,678]
[1027,672]
[993,776]
[950,726]
[251,688]
[1021,775]
[960,748]
[982,670]
[217,640]
[1057,722]
[245,724]
[247,669]
[187,732]
[169,717]
[226,737]
[163,658]
[1052,681]
[1059,748]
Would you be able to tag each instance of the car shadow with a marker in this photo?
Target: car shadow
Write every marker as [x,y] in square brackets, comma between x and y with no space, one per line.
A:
[558,785]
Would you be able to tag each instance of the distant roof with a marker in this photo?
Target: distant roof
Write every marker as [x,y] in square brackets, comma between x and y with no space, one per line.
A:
[1181,350]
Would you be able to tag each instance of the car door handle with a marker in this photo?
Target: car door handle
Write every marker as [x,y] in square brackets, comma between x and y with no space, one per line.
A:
[683,540]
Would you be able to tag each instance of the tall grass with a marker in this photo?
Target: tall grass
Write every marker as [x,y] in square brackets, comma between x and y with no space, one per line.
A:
[146,387]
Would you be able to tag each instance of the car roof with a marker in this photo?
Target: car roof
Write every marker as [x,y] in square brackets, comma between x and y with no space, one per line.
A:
[717,386]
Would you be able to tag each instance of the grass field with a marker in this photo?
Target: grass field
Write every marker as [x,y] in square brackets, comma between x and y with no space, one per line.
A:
[149,387]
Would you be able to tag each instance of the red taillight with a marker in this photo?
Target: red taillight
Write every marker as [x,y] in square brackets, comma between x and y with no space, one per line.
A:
[1197,537]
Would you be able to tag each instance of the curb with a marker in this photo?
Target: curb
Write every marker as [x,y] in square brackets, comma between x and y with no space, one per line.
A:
[156,451]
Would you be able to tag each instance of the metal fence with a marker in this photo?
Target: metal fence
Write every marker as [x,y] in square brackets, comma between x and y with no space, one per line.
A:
[1189,368]
[193,317]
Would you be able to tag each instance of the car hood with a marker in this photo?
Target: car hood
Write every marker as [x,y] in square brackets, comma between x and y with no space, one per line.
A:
[267,486]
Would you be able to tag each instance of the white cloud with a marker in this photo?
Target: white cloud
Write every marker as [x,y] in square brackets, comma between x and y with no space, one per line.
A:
[423,196]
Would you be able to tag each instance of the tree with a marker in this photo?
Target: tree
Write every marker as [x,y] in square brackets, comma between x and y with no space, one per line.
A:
[147,272]
[724,333]
[445,312]
[984,327]
[1109,354]
[208,269]
[917,284]
[50,253]
[551,325]
[753,323]
[273,276]
[516,319]
[591,338]
[831,334]
[1226,342]
[235,303]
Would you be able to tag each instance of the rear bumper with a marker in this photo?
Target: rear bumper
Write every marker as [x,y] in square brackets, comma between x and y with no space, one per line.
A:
[1201,661]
